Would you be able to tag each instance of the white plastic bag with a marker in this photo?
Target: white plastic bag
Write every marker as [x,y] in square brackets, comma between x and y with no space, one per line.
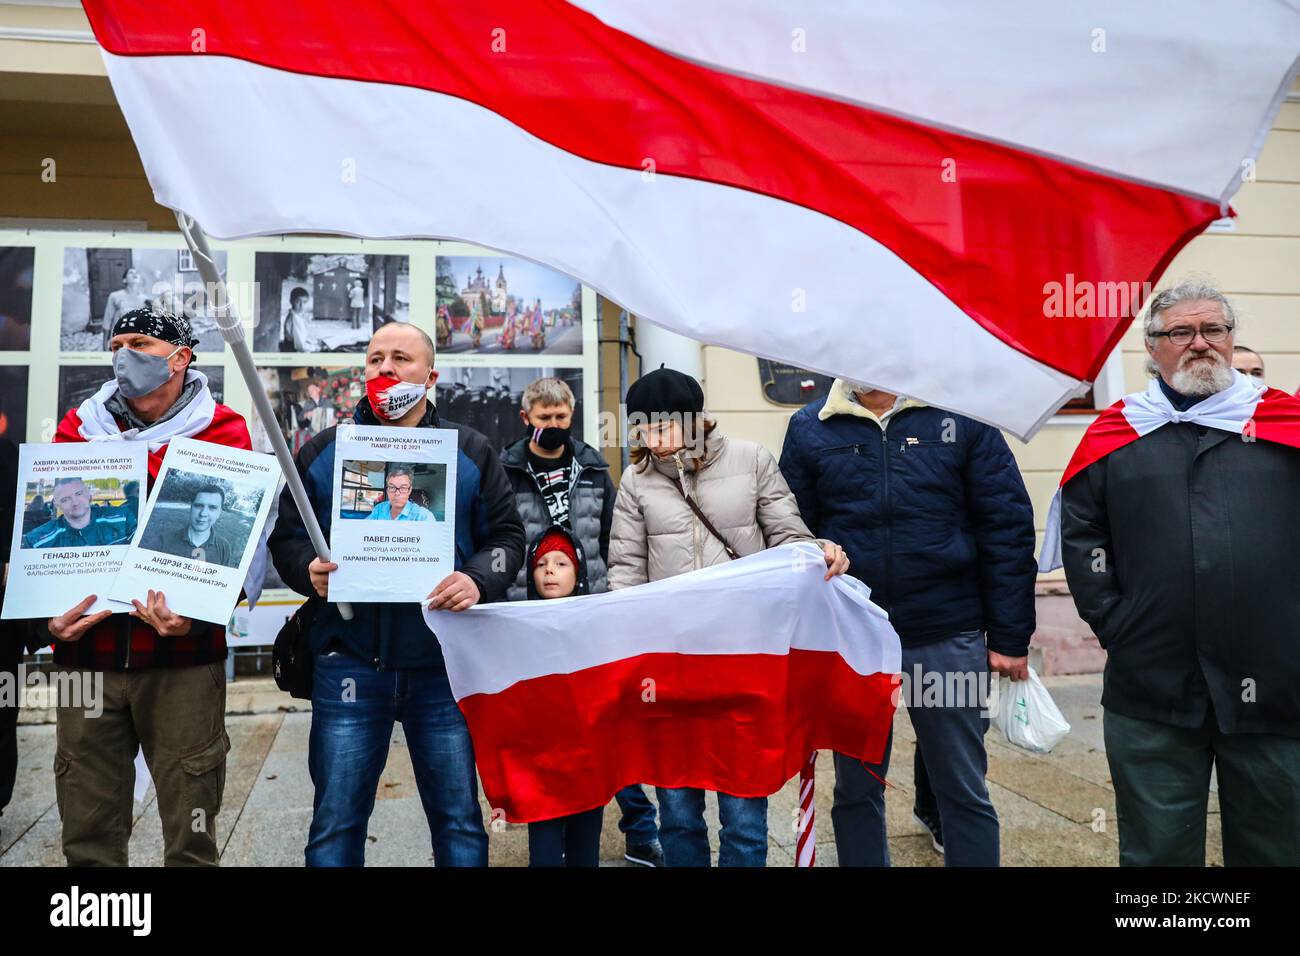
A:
[1027,715]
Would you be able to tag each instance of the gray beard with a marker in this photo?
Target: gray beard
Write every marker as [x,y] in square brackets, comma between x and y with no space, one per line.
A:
[1203,378]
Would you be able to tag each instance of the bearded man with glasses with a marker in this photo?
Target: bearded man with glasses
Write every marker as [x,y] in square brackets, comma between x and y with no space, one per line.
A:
[1178,520]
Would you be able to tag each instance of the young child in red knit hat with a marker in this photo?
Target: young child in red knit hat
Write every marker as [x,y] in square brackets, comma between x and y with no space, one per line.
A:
[556,569]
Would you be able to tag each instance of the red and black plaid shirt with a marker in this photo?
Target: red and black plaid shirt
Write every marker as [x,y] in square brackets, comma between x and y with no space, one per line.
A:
[106,646]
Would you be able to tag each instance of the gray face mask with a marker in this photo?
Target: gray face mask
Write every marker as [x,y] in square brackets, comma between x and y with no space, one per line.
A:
[139,373]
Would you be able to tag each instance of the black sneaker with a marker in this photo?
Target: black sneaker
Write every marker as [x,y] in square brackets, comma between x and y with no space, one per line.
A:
[645,854]
[930,821]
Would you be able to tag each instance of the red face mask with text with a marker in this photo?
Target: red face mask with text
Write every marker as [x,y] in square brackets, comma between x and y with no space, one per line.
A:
[392,398]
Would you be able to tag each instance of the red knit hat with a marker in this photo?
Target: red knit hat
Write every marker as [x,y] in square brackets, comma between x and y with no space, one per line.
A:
[554,541]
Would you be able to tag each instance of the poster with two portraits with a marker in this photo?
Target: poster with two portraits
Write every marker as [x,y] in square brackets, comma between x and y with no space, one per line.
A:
[82,527]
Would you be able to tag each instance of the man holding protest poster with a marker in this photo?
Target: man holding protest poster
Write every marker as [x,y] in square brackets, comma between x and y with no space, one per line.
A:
[164,675]
[380,666]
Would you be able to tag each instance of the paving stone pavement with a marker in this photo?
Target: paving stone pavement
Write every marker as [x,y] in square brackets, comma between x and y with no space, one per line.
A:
[1056,809]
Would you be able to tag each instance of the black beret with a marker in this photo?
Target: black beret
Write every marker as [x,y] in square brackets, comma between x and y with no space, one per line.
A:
[665,391]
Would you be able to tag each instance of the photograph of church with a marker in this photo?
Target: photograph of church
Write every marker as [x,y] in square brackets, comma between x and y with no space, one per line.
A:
[502,304]
[327,302]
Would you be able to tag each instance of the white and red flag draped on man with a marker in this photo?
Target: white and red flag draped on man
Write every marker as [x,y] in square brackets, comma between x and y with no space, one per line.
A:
[934,197]
[1245,408]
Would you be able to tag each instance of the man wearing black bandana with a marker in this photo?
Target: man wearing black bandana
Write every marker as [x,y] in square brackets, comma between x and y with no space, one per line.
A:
[164,675]
[140,338]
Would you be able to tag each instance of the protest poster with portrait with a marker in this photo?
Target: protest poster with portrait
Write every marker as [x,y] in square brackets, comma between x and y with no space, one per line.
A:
[76,514]
[393,532]
[199,530]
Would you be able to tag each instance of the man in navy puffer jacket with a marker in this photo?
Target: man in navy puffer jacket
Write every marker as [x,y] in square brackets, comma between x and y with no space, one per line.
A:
[932,511]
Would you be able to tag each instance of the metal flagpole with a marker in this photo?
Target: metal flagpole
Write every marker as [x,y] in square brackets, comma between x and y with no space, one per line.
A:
[233,332]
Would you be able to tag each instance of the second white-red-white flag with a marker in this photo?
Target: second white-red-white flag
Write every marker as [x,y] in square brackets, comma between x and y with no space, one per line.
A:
[723,679]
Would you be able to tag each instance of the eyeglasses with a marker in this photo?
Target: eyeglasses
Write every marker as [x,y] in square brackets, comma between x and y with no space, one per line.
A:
[1214,334]
[398,489]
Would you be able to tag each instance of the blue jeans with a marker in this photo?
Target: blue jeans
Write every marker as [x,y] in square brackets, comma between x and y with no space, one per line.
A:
[351,725]
[950,740]
[566,841]
[742,841]
[638,820]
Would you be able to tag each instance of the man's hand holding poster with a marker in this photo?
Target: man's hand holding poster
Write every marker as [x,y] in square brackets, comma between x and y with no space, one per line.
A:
[199,530]
[77,511]
[393,527]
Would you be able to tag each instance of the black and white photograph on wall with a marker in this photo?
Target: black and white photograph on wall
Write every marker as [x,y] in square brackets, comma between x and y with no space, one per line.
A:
[506,305]
[327,302]
[202,517]
[102,285]
[13,403]
[17,264]
[488,399]
[307,400]
[78,382]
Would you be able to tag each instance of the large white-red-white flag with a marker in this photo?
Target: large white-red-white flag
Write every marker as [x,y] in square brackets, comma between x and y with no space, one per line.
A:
[955,201]
[724,679]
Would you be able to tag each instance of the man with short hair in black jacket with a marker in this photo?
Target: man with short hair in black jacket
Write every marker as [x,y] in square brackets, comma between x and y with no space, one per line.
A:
[934,516]
[384,665]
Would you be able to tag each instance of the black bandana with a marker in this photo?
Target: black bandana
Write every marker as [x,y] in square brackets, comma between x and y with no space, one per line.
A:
[161,325]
